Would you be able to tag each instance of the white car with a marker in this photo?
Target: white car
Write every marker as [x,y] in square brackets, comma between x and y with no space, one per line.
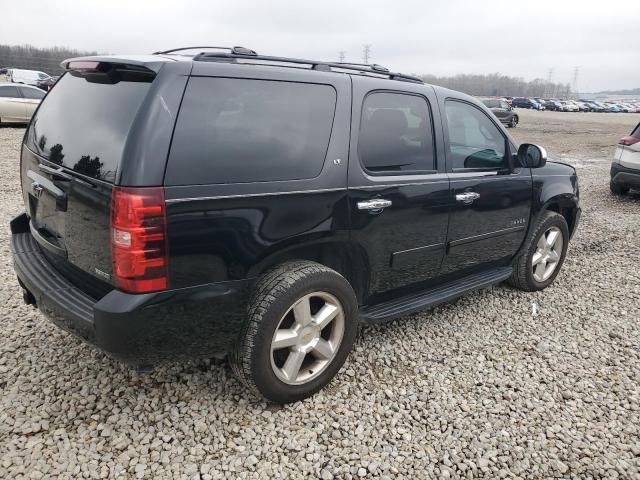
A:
[569,106]
[28,77]
[625,168]
[18,102]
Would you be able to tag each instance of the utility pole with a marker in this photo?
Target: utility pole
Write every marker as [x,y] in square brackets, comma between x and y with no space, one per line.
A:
[548,90]
[576,72]
[366,53]
[341,56]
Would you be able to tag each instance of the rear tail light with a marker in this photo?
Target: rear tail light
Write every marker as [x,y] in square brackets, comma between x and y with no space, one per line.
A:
[628,141]
[139,239]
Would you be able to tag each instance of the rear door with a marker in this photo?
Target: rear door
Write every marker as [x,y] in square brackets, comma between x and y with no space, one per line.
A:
[491,196]
[32,98]
[12,108]
[70,159]
[398,187]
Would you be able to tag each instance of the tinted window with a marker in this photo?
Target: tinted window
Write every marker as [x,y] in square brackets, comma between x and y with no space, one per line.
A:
[83,126]
[9,91]
[396,134]
[474,140]
[239,130]
[32,93]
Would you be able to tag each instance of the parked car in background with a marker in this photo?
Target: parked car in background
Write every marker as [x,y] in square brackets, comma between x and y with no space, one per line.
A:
[583,107]
[28,77]
[502,110]
[47,83]
[625,168]
[273,210]
[613,108]
[18,102]
[521,102]
[568,106]
[552,105]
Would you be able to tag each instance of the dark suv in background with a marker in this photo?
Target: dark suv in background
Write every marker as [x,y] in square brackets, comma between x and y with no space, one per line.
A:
[183,206]
[525,103]
[502,110]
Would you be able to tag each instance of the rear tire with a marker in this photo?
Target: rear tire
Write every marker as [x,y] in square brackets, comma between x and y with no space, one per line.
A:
[618,189]
[302,323]
[514,121]
[542,255]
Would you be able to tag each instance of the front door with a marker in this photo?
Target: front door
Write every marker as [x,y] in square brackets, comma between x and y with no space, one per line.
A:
[398,187]
[490,197]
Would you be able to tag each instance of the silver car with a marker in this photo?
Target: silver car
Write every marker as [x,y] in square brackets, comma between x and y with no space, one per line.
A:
[18,102]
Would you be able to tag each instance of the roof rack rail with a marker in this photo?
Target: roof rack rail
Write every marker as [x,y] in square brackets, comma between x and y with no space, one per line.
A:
[239,53]
[237,50]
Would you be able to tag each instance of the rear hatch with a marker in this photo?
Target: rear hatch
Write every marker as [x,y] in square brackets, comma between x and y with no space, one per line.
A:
[70,161]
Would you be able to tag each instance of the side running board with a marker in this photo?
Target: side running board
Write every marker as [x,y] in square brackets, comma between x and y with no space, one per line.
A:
[430,298]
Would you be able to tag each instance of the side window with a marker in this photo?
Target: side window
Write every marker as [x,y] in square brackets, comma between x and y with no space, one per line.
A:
[32,93]
[474,140]
[233,130]
[9,91]
[396,134]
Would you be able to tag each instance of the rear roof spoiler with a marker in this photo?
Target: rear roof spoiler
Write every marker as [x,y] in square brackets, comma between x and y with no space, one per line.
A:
[152,62]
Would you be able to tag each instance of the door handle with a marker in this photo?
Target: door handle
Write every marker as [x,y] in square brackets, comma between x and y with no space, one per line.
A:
[374,204]
[467,197]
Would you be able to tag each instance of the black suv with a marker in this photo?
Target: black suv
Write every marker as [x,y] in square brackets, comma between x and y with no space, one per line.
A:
[182,206]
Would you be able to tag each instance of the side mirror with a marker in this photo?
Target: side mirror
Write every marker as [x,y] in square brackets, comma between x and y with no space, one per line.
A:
[532,156]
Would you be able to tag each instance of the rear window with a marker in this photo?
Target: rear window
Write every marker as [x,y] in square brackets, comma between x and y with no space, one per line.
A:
[636,132]
[241,130]
[83,125]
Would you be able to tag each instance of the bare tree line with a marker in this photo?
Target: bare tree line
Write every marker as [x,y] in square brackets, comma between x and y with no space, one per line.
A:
[32,58]
[495,84]
[48,60]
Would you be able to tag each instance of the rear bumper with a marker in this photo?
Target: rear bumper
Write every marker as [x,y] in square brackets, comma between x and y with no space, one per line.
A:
[140,330]
[628,177]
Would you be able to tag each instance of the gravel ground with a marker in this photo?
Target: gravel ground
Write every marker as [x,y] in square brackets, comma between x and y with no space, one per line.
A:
[478,388]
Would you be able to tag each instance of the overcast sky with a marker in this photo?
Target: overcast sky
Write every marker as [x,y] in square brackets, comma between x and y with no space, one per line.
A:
[519,38]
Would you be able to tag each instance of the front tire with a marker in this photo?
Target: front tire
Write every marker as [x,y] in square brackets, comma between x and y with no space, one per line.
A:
[514,121]
[618,189]
[543,254]
[301,326]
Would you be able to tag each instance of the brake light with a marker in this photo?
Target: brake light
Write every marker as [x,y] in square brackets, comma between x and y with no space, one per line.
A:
[139,239]
[628,141]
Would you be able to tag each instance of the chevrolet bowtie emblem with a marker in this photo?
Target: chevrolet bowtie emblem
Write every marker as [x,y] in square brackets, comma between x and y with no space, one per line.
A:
[36,189]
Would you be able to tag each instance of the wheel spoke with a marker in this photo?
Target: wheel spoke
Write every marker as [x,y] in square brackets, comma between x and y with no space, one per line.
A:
[327,313]
[553,256]
[323,350]
[537,258]
[542,243]
[292,365]
[540,269]
[284,338]
[302,311]
[552,238]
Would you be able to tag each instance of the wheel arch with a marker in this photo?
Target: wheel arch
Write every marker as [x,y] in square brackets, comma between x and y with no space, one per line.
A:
[347,258]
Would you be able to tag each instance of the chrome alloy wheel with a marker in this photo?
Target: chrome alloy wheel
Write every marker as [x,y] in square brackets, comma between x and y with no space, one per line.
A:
[307,338]
[547,255]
